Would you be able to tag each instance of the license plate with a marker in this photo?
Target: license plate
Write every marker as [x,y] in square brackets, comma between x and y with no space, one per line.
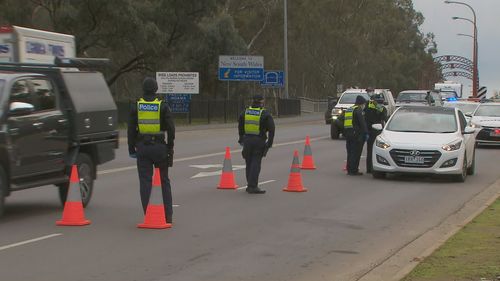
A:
[414,160]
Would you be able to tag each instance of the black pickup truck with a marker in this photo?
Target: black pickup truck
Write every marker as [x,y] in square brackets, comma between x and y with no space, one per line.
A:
[52,117]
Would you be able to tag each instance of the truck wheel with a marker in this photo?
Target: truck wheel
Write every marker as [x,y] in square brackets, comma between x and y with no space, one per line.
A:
[86,174]
[3,190]
[334,131]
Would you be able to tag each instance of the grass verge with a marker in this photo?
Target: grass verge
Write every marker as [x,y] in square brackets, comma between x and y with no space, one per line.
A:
[473,254]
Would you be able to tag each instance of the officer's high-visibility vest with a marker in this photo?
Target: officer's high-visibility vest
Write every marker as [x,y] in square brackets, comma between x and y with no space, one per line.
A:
[148,117]
[348,117]
[252,120]
[377,107]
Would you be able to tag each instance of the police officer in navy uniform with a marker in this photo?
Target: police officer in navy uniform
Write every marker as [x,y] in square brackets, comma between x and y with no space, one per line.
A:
[255,126]
[355,132]
[149,119]
[375,113]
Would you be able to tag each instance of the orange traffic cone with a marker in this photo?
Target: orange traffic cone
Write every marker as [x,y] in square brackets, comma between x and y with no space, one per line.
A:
[307,161]
[295,179]
[155,212]
[227,178]
[73,207]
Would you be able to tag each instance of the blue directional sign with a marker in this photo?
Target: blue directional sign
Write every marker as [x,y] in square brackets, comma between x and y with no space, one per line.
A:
[179,103]
[241,68]
[273,79]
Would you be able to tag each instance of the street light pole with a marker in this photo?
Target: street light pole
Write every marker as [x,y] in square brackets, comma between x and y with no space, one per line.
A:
[285,44]
[475,74]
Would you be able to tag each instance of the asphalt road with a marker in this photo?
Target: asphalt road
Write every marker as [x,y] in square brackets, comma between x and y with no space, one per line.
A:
[335,231]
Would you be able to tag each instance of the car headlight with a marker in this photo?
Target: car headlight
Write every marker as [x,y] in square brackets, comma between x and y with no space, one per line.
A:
[337,111]
[380,142]
[452,146]
[474,125]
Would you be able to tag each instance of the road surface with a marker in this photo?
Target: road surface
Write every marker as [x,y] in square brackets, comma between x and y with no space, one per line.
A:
[337,230]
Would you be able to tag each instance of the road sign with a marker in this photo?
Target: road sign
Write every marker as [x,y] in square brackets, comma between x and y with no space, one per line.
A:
[178,82]
[481,92]
[179,103]
[241,68]
[273,79]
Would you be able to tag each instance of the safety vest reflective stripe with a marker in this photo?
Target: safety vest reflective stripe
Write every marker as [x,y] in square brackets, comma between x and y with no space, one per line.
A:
[252,120]
[377,107]
[148,117]
[348,117]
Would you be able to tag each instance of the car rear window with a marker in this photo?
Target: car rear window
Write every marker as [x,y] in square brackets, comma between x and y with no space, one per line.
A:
[350,98]
[423,121]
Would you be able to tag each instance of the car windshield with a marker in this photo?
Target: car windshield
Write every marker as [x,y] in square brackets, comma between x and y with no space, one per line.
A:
[423,121]
[350,98]
[464,107]
[409,97]
[488,110]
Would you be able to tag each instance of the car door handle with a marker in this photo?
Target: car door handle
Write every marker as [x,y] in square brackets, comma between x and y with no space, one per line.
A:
[38,124]
[62,121]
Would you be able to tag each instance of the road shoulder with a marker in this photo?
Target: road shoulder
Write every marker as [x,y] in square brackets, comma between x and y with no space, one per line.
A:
[401,262]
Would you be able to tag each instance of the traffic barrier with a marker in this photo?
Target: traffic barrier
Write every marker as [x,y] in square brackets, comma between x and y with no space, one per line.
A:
[155,212]
[227,177]
[308,161]
[73,207]
[295,178]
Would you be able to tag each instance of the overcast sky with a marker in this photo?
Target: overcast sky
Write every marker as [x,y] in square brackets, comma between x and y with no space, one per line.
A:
[438,20]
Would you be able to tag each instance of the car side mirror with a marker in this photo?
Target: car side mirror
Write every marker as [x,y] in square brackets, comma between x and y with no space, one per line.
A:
[386,103]
[20,108]
[469,130]
[377,127]
[468,114]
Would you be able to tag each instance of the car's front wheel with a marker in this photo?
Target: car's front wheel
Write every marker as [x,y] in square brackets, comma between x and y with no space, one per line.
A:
[472,169]
[463,175]
[86,175]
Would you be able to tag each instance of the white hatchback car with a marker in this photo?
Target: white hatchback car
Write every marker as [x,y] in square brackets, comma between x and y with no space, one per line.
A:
[427,140]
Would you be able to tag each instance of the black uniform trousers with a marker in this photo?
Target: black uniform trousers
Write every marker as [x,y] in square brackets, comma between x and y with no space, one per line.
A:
[354,147]
[369,149]
[150,155]
[253,151]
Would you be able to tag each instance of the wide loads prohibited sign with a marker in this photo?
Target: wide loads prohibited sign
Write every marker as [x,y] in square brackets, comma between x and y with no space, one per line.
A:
[241,68]
[178,82]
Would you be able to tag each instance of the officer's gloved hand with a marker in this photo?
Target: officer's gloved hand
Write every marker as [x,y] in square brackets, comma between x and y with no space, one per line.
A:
[266,149]
[170,157]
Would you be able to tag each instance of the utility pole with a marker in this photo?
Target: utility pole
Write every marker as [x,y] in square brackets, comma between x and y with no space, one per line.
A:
[285,45]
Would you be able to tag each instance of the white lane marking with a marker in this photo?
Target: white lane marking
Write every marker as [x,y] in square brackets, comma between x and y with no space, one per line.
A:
[206,166]
[110,171]
[216,173]
[176,205]
[260,183]
[29,241]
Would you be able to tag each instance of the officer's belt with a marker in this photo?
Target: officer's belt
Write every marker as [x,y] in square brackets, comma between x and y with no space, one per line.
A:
[149,139]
